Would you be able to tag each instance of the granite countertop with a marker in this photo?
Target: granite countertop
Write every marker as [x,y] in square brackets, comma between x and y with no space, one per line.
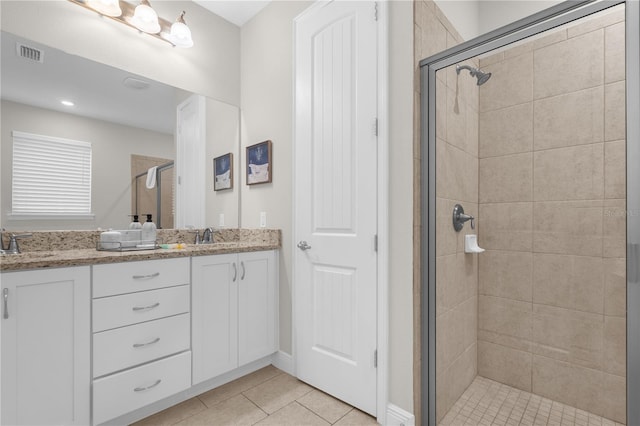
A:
[39,259]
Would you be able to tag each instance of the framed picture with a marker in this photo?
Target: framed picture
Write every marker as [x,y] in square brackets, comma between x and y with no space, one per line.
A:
[259,163]
[223,172]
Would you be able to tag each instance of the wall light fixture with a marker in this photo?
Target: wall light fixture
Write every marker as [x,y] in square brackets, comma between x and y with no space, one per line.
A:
[143,18]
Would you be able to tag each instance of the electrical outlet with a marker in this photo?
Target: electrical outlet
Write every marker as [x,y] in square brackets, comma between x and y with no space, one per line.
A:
[263,219]
[221,219]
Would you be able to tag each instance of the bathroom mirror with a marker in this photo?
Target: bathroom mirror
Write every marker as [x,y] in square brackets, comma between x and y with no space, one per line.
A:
[130,122]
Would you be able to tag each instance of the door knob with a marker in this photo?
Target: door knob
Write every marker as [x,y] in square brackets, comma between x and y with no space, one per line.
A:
[303,245]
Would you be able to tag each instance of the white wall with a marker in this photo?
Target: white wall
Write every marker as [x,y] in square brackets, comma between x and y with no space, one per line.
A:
[111,145]
[494,14]
[401,169]
[223,135]
[211,67]
[464,15]
[267,113]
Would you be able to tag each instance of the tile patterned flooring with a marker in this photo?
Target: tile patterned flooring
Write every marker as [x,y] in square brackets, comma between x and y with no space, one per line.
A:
[265,397]
[486,402]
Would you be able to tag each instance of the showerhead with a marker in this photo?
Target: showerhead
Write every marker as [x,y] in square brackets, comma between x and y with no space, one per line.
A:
[475,72]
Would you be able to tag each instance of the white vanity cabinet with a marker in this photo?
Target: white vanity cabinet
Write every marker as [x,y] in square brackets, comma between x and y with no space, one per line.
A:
[234,311]
[45,329]
[141,334]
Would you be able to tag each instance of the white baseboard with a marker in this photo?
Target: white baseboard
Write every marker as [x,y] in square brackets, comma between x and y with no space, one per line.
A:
[396,416]
[284,362]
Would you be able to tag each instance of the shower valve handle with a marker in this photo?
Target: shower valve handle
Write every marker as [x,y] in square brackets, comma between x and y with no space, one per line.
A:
[459,218]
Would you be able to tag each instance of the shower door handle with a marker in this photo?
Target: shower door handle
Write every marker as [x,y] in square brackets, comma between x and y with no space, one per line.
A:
[633,250]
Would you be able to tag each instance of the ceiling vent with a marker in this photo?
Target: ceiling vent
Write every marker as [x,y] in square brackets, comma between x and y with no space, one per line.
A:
[30,53]
[134,83]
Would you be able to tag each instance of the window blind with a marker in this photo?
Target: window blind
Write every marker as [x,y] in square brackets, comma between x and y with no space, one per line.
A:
[51,176]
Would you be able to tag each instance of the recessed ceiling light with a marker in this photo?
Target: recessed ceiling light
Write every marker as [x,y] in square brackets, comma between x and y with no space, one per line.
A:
[67,103]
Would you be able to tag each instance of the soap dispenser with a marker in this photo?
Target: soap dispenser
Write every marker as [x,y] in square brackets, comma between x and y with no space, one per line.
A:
[135,224]
[149,230]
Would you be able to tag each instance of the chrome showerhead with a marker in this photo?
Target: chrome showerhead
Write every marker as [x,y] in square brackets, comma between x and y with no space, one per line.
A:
[475,72]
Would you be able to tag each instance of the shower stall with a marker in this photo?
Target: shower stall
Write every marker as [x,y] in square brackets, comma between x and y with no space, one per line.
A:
[530,215]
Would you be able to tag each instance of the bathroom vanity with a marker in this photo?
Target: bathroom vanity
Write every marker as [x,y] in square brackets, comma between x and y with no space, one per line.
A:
[88,337]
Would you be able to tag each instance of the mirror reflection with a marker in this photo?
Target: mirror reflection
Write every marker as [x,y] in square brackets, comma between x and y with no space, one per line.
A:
[130,122]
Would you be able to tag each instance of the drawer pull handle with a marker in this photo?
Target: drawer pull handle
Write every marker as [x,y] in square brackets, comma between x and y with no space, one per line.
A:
[5,296]
[243,270]
[145,308]
[141,345]
[148,387]
[235,272]
[146,277]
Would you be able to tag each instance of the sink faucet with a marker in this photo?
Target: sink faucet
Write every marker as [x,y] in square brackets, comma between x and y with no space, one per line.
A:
[14,248]
[207,236]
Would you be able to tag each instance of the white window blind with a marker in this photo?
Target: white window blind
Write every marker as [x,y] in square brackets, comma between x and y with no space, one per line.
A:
[51,176]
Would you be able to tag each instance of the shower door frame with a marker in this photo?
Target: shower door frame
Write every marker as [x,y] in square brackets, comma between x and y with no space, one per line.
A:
[547,19]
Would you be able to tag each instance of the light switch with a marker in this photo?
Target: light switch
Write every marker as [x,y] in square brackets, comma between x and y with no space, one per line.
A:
[263,219]
[221,219]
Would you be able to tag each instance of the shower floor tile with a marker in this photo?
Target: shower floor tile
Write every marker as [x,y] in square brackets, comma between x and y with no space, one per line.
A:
[487,403]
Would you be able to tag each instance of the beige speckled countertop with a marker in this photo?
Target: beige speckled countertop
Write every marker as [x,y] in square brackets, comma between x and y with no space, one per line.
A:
[248,240]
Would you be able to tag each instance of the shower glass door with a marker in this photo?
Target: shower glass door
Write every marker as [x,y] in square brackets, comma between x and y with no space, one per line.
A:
[527,262]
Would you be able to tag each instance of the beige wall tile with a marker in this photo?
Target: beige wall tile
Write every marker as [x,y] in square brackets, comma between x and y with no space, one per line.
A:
[615,177]
[446,281]
[568,335]
[506,131]
[588,389]
[456,120]
[506,179]
[574,118]
[434,35]
[504,321]
[492,59]
[518,49]
[614,111]
[615,345]
[510,84]
[614,53]
[457,173]
[506,226]
[455,380]
[615,287]
[550,37]
[560,68]
[614,398]
[597,21]
[615,228]
[505,365]
[574,173]
[569,282]
[470,209]
[568,228]
[506,274]
[446,236]
[554,380]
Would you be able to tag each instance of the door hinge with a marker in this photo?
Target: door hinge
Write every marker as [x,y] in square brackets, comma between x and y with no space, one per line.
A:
[179,181]
[375,11]
[375,242]
[375,126]
[375,359]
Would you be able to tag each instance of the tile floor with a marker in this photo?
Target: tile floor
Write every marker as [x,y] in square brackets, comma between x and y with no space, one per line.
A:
[486,403]
[265,397]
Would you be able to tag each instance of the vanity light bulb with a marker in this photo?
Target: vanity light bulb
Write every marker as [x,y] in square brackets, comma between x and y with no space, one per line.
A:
[145,18]
[106,7]
[180,33]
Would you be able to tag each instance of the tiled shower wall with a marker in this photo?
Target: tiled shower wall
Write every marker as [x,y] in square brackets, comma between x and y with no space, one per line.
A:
[457,182]
[551,303]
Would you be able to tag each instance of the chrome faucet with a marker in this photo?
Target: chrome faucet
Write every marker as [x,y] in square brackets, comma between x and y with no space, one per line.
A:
[14,248]
[207,236]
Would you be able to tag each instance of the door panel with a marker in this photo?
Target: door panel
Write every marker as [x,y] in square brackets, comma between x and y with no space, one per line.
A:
[335,207]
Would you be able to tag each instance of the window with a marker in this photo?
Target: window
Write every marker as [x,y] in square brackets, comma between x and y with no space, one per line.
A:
[51,176]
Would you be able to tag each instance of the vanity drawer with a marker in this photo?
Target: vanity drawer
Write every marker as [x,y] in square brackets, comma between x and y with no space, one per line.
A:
[118,311]
[129,277]
[125,347]
[121,393]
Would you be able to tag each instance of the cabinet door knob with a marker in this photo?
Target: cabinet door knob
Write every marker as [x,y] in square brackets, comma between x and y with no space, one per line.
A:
[5,297]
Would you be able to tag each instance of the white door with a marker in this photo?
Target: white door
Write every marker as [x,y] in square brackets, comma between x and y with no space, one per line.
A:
[190,163]
[335,200]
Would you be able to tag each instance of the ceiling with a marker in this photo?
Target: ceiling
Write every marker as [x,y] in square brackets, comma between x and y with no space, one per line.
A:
[235,11]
